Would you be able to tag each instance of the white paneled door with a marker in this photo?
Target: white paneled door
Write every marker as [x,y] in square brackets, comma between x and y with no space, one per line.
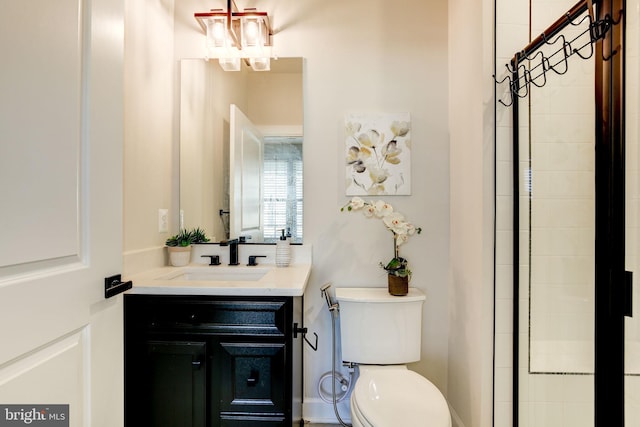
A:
[245,198]
[61,119]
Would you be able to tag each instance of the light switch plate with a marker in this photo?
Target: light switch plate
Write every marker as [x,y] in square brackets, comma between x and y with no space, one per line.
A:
[163,220]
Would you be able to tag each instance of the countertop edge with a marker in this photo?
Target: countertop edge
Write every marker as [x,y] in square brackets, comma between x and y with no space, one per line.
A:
[281,281]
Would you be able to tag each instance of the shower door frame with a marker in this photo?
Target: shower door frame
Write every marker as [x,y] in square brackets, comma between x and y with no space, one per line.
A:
[612,282]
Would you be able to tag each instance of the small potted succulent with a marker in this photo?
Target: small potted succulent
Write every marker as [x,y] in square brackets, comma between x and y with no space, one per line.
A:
[198,235]
[179,245]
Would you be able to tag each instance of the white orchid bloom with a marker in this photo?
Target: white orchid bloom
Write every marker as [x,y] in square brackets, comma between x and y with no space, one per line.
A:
[382,209]
[396,223]
[369,210]
[356,203]
[401,238]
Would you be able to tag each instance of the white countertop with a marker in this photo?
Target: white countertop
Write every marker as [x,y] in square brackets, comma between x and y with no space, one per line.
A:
[278,281]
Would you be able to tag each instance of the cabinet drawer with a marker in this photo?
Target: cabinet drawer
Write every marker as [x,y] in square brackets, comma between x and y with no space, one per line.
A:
[265,317]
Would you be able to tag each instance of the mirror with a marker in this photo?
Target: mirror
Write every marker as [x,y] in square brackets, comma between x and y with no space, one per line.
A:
[272,103]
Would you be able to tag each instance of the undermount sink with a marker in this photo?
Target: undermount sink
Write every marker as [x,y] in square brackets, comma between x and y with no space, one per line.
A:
[218,274]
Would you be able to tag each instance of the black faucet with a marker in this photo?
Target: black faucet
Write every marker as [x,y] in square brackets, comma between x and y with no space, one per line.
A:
[253,260]
[215,259]
[233,251]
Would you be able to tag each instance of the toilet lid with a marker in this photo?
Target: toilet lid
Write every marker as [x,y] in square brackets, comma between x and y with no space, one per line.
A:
[399,398]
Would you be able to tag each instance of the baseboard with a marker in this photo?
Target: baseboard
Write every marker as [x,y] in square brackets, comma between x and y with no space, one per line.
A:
[317,411]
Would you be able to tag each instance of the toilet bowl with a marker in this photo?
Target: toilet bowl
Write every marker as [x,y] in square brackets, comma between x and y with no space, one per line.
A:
[395,396]
[380,334]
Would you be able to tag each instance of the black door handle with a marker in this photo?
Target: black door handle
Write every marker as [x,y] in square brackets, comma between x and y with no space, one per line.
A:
[254,378]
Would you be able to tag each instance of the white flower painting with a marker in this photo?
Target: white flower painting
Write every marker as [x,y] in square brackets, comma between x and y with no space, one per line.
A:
[378,158]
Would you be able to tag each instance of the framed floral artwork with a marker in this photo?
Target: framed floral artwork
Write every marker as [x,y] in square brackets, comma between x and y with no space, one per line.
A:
[378,154]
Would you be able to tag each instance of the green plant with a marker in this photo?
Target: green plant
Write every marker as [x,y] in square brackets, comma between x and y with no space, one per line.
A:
[187,237]
[398,266]
[183,238]
[199,235]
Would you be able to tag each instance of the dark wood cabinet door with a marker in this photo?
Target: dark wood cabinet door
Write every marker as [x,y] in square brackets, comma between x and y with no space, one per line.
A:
[252,381]
[170,379]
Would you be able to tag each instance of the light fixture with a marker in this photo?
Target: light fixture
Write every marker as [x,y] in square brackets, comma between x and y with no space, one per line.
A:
[233,36]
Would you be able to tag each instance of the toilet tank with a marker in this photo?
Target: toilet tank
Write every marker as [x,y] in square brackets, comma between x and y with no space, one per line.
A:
[377,328]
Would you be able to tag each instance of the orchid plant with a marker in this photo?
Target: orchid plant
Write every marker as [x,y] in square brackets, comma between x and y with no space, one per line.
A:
[395,222]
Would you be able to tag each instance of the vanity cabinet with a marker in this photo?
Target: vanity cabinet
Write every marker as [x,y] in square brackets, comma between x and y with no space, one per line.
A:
[195,361]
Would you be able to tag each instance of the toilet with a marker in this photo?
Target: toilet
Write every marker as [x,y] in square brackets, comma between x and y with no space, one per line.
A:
[381,333]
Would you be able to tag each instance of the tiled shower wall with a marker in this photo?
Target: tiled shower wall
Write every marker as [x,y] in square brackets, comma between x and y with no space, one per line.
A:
[561,202]
[562,140]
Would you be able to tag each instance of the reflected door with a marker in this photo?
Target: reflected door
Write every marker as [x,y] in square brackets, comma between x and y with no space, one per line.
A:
[245,198]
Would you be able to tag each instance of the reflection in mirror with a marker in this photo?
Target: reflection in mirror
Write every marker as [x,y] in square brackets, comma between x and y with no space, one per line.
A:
[282,186]
[245,196]
[272,101]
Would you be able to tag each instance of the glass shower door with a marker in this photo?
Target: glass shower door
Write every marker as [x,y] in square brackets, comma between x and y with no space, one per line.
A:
[557,228]
[572,234]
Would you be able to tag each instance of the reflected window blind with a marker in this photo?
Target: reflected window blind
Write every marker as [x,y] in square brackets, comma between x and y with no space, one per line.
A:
[282,189]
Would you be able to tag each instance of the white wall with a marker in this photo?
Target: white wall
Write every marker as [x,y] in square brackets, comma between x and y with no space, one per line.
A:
[150,154]
[471,294]
[360,56]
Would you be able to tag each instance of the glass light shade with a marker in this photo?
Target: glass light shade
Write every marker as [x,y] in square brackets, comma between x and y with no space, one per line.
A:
[260,64]
[216,32]
[230,64]
[254,32]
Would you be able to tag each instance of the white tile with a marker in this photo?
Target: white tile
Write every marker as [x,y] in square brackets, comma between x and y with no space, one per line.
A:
[503,415]
[504,213]
[504,351]
[578,389]
[547,414]
[504,247]
[578,414]
[503,384]
[504,281]
[546,388]
[504,316]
